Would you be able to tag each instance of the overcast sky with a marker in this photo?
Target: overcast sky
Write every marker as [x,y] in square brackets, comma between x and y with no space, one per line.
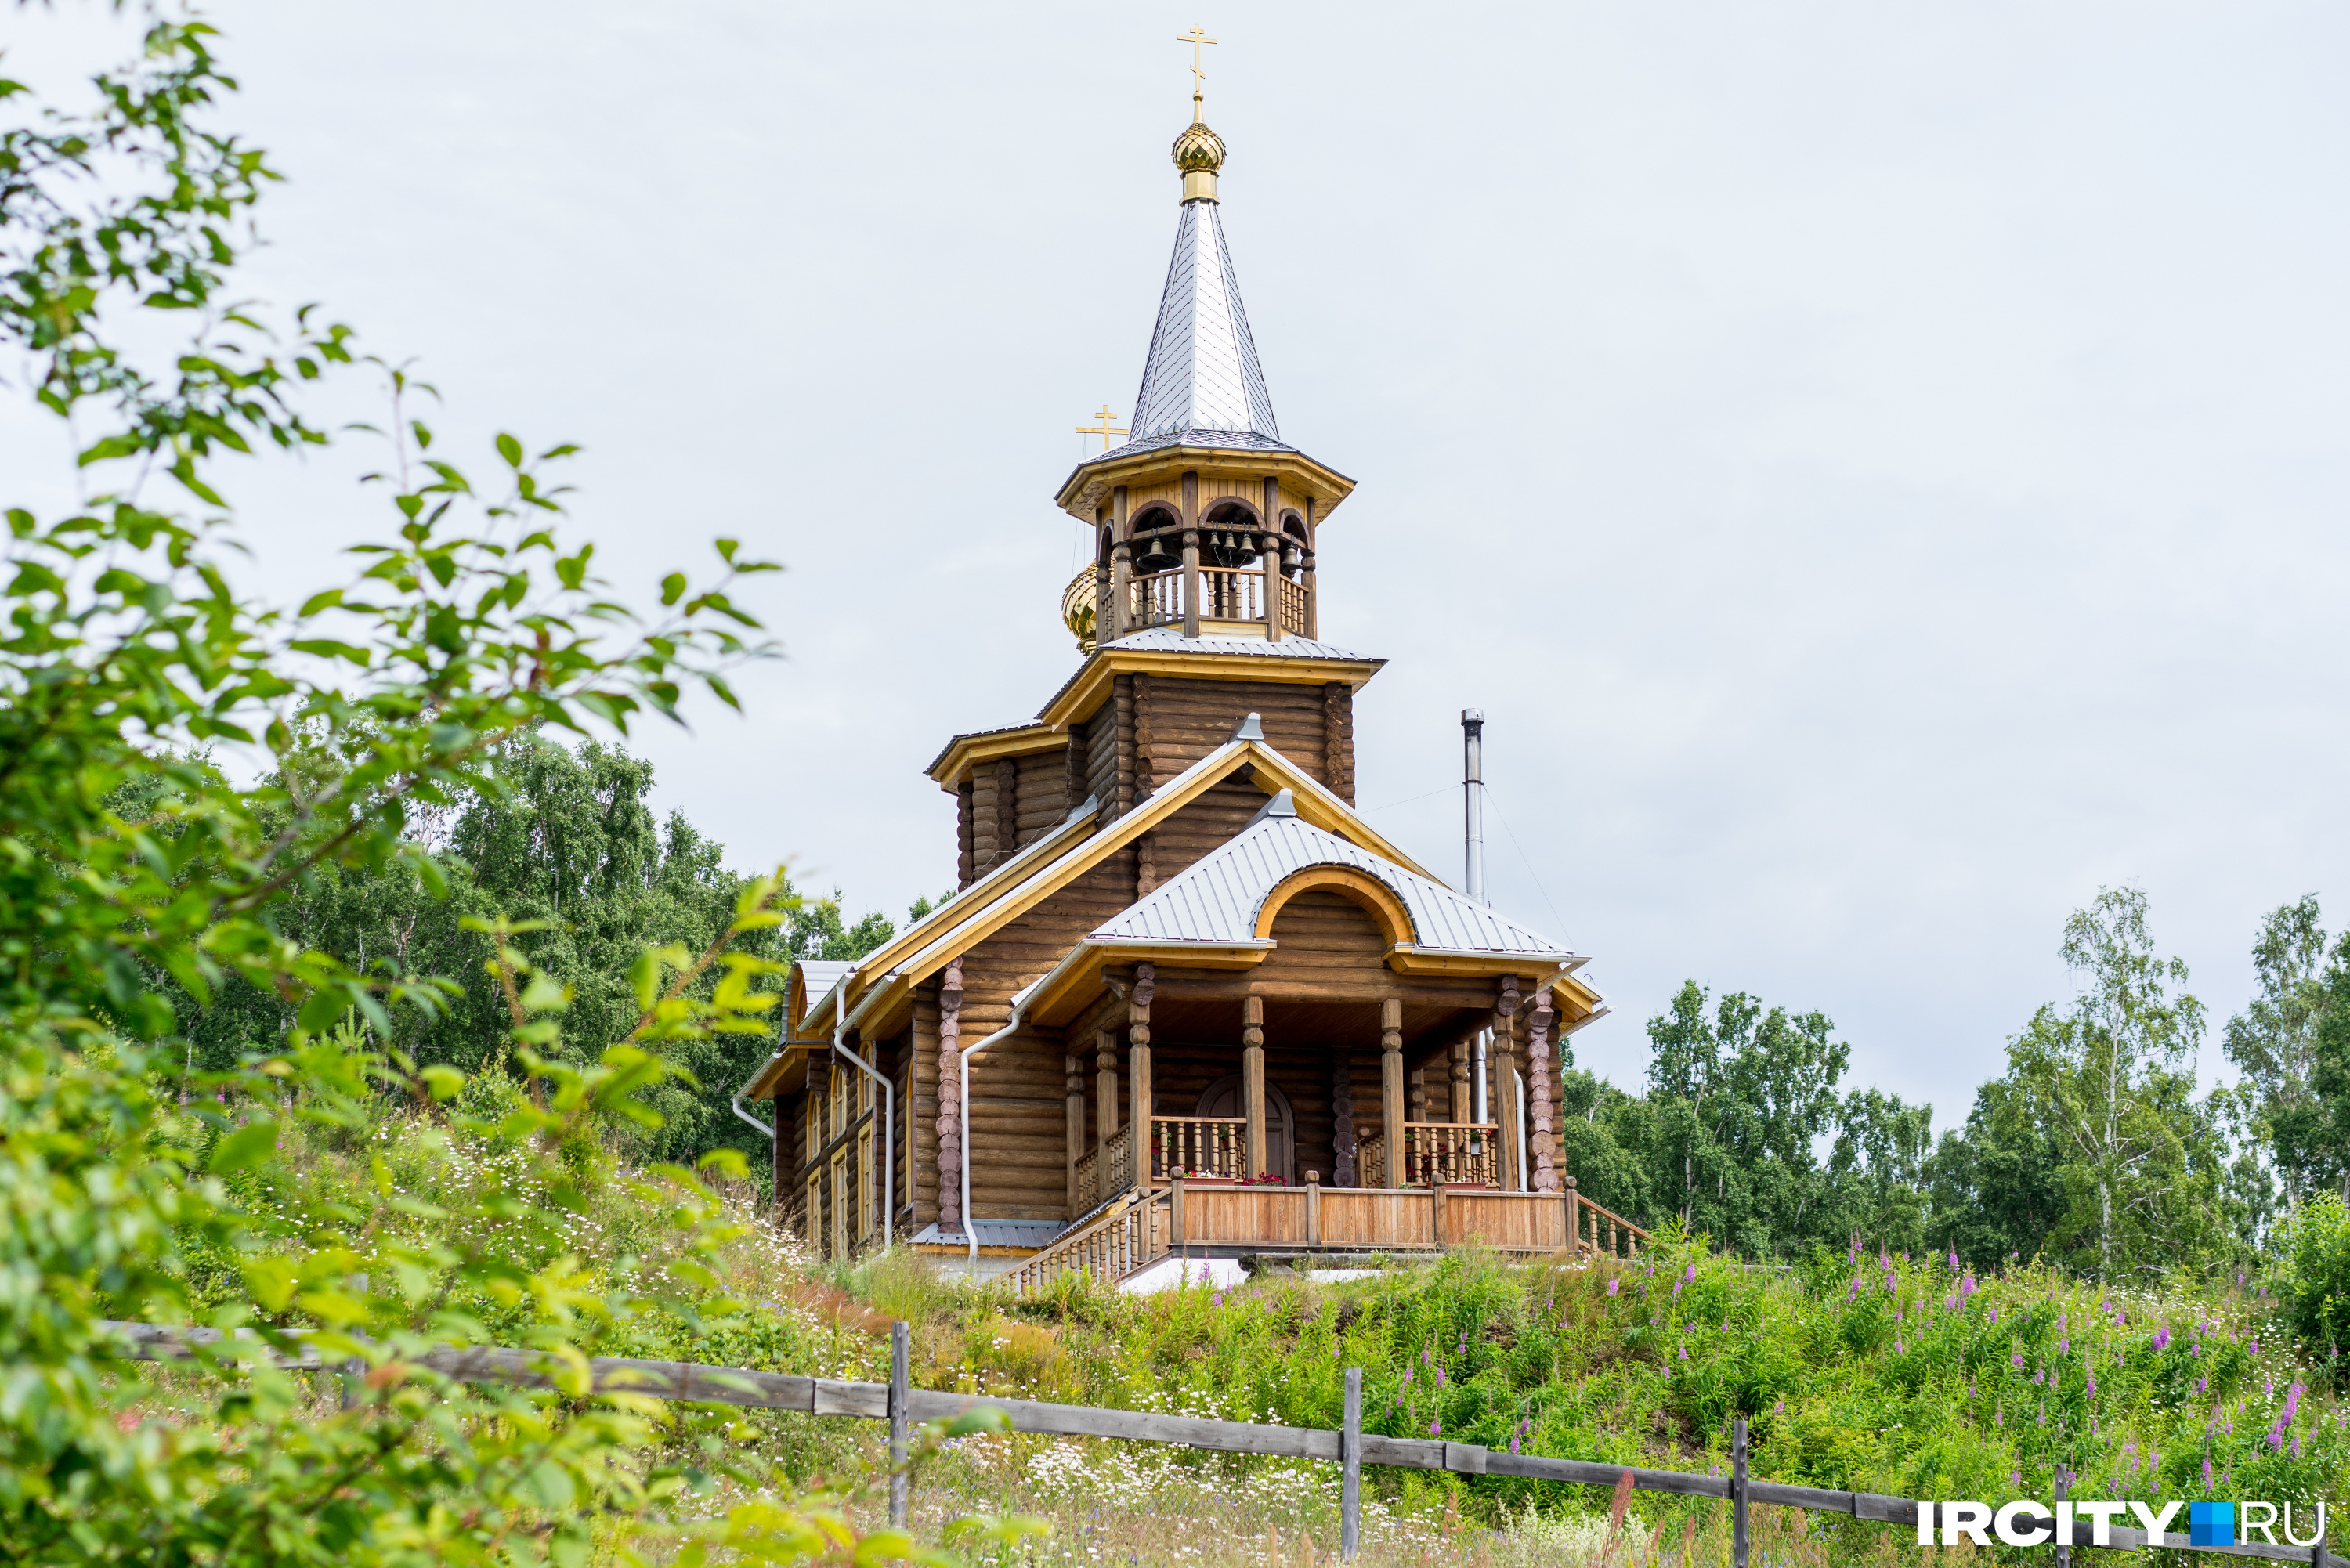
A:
[1880,469]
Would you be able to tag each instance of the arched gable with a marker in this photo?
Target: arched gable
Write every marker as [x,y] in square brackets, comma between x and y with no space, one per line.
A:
[1358,887]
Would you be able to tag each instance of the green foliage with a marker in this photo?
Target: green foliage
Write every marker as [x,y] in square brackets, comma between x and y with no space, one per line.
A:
[139,884]
[2273,1041]
[2313,1280]
[1858,1369]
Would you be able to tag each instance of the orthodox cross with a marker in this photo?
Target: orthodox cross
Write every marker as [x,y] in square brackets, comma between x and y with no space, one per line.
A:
[1195,37]
[1104,429]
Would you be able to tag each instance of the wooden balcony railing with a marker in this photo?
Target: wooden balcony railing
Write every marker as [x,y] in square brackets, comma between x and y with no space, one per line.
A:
[1458,1154]
[1132,1234]
[1226,593]
[1205,1148]
[1105,1171]
[1601,1233]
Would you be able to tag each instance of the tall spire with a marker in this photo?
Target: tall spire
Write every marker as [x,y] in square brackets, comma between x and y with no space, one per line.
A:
[1201,383]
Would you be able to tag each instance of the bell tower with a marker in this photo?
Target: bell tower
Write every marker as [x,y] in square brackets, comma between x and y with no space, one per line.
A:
[1197,619]
[1205,521]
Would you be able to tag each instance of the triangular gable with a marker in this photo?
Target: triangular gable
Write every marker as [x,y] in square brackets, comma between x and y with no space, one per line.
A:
[905,967]
[1219,898]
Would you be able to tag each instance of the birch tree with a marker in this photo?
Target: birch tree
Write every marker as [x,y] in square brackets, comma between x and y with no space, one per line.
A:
[2111,1075]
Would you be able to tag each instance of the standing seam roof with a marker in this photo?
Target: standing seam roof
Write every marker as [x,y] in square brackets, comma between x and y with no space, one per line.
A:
[1217,900]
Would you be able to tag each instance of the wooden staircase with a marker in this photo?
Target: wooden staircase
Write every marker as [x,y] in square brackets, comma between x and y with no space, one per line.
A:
[1132,1231]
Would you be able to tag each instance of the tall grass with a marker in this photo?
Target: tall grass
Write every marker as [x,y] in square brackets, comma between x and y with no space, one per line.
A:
[1905,1375]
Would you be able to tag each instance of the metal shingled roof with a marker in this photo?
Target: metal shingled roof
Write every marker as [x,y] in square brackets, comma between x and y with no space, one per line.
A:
[1217,900]
[1202,375]
[1170,639]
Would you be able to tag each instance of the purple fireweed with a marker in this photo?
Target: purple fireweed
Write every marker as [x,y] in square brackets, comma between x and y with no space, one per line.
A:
[2162,1337]
[1440,1377]
[1435,1428]
[1613,1286]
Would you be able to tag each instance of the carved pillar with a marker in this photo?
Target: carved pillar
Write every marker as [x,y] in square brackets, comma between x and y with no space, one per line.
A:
[1313,603]
[1192,554]
[1253,1081]
[1138,1058]
[1190,577]
[1342,1119]
[951,1098]
[1270,560]
[1073,1069]
[1416,1094]
[1391,1085]
[1543,1148]
[1105,1088]
[1465,1098]
[1121,570]
[1501,1056]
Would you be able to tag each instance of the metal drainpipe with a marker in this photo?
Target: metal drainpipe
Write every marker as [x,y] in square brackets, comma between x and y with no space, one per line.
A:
[962,1063]
[737,1101]
[1472,806]
[889,1103]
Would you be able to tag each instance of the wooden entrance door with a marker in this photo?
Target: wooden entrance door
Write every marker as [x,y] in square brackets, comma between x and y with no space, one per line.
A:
[1222,1098]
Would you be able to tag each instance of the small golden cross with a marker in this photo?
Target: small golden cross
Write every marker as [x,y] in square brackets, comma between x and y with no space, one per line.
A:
[1195,37]
[1104,429]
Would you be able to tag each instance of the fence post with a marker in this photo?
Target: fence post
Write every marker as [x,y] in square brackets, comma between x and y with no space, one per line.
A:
[900,1425]
[1737,1491]
[2064,1535]
[1350,1468]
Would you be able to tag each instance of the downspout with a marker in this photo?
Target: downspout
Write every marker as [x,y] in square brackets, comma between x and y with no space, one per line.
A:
[963,1073]
[889,1103]
[737,1103]
[1472,803]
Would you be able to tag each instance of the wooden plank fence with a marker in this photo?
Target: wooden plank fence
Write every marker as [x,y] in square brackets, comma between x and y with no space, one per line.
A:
[900,1403]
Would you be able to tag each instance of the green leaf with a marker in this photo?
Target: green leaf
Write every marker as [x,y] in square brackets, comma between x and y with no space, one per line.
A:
[248,1147]
[510,449]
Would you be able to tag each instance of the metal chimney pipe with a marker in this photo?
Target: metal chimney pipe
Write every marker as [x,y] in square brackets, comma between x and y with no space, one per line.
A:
[1473,790]
[1472,799]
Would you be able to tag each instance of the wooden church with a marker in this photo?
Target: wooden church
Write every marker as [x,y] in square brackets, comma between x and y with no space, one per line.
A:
[1185,1002]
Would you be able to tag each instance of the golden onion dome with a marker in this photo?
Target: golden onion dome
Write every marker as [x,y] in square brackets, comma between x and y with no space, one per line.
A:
[1199,153]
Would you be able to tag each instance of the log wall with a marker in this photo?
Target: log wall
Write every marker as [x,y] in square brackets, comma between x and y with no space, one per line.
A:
[1018,1096]
[1312,726]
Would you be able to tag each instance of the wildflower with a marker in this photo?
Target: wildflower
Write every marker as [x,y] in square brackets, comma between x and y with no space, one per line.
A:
[1781,1409]
[1440,1377]
[1950,1303]
[1954,1262]
[1436,1427]
[1613,1286]
[1684,1353]
[1216,1300]
[1407,1375]
[1513,1443]
[2206,1472]
[2162,1337]
[1967,1286]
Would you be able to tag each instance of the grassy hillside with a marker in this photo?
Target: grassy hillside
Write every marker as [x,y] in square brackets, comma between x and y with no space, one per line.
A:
[1858,1370]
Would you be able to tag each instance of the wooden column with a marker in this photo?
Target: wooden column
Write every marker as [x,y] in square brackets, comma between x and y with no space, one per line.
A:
[1500,1057]
[1121,571]
[1391,1085]
[1104,1090]
[1270,560]
[951,1099]
[1138,1071]
[1415,1095]
[1464,1097]
[1074,1086]
[1192,554]
[1342,1119]
[1540,1162]
[1313,601]
[1253,1081]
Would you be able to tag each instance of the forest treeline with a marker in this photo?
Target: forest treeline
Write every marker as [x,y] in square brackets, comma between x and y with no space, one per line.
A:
[2095,1149]
[568,844]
